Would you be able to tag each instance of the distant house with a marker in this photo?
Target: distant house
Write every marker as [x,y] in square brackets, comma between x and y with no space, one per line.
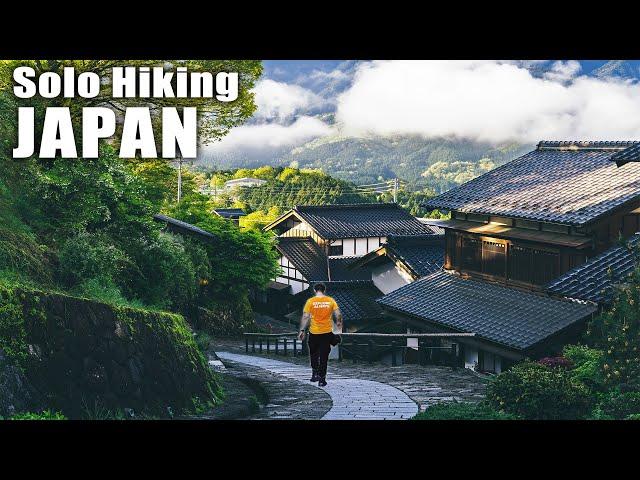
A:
[318,244]
[521,266]
[184,228]
[230,213]
[243,182]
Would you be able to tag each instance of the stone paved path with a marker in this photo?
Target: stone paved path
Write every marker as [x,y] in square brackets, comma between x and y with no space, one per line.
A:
[353,399]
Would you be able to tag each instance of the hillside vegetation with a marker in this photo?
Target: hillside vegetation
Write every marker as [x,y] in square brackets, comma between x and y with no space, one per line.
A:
[433,164]
[288,186]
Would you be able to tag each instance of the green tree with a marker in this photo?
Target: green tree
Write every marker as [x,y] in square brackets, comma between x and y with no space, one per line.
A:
[215,118]
[617,333]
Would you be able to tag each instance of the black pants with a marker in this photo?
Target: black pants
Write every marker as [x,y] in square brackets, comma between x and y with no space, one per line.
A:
[319,348]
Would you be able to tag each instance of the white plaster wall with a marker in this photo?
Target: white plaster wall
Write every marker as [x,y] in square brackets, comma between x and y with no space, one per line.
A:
[361,246]
[388,277]
[348,246]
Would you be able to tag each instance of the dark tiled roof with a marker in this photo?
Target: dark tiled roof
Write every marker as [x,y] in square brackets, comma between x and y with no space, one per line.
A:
[422,254]
[357,301]
[306,256]
[631,154]
[595,279]
[230,212]
[361,220]
[433,224]
[182,227]
[513,318]
[571,183]
[339,272]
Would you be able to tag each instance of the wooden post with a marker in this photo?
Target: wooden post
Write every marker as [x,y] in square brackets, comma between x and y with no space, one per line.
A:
[268,345]
[253,344]
[393,353]
[260,344]
[284,343]
[295,347]
[246,344]
[422,355]
[277,345]
[454,354]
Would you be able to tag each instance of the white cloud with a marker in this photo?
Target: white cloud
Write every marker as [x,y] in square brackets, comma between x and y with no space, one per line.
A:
[271,135]
[487,101]
[563,71]
[282,101]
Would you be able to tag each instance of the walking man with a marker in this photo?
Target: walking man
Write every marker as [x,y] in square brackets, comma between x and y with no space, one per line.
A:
[320,310]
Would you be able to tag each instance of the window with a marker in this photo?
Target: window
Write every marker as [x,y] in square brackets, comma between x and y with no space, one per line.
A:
[532,265]
[335,250]
[494,258]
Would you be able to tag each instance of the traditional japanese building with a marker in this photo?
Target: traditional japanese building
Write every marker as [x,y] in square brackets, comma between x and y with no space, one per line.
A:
[233,214]
[515,230]
[402,260]
[318,244]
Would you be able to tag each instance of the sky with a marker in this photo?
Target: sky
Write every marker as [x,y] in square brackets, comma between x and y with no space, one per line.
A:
[489,101]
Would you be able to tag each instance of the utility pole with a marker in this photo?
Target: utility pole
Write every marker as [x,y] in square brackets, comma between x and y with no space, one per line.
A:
[395,190]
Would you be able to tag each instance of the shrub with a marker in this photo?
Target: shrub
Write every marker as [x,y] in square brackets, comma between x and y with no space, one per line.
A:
[168,277]
[226,319]
[617,333]
[556,362]
[533,391]
[89,256]
[616,405]
[44,415]
[463,411]
[587,365]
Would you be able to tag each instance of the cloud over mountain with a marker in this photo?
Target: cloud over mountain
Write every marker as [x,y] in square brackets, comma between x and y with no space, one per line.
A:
[488,101]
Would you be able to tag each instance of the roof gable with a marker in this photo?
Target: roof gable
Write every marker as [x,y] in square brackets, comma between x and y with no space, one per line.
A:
[572,183]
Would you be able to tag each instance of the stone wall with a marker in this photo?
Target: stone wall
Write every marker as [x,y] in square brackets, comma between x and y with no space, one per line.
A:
[87,358]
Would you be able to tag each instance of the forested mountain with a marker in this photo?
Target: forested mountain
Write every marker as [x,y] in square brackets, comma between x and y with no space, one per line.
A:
[288,186]
[435,164]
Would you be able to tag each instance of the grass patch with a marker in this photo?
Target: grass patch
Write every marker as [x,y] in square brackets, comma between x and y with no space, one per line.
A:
[462,411]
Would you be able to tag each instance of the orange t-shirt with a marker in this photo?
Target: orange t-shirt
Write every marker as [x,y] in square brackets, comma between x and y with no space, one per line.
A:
[321,310]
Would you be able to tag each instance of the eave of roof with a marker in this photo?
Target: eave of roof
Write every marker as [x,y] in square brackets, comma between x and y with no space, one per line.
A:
[505,232]
[181,226]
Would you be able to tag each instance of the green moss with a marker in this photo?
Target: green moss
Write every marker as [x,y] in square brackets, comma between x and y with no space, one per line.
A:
[12,327]
[57,330]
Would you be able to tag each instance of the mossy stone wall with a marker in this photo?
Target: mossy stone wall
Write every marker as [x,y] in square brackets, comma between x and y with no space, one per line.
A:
[85,356]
